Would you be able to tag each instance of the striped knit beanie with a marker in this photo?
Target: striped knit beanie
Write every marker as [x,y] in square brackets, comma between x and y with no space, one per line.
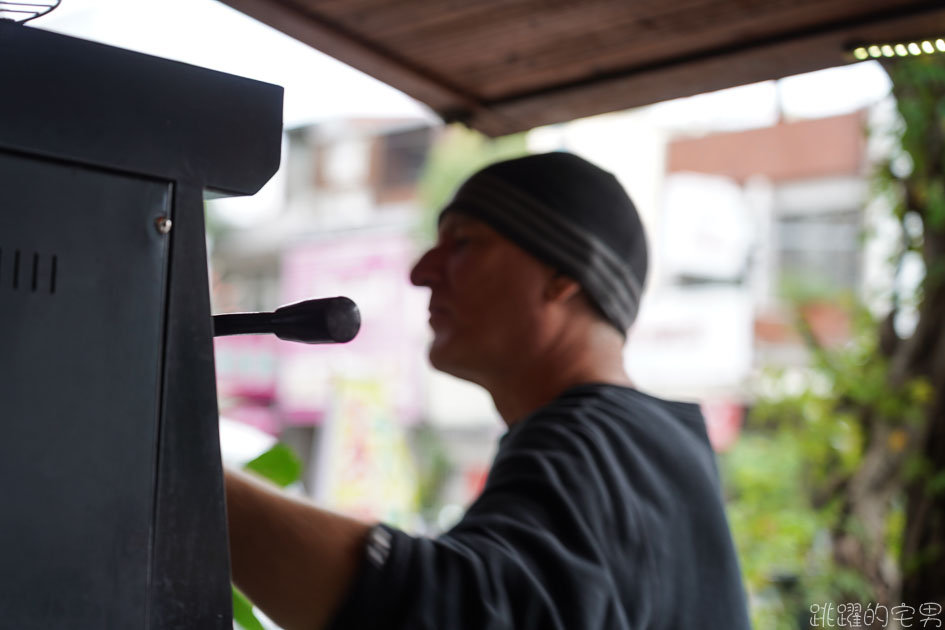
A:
[570,214]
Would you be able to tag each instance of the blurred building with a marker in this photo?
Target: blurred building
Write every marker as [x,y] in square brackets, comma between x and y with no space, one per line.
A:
[752,223]
[801,190]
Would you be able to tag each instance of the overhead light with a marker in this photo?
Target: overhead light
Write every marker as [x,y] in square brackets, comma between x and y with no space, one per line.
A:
[898,49]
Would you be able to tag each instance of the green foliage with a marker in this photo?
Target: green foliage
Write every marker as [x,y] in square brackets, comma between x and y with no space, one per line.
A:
[279,465]
[919,85]
[785,478]
[828,400]
[457,154]
[282,467]
[243,612]
[782,540]
[434,467]
[804,288]
[930,555]
[919,195]
[768,508]
[895,528]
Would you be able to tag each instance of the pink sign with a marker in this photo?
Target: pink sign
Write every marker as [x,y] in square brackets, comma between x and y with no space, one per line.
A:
[372,270]
[723,420]
[246,367]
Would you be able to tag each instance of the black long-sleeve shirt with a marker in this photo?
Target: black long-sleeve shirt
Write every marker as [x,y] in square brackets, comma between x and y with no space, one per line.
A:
[602,511]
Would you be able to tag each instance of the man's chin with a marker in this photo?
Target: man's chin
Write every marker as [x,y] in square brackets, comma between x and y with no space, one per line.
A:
[446,360]
[439,357]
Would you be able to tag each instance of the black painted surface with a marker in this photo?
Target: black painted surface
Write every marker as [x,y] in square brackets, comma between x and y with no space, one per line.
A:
[191,572]
[112,511]
[68,98]
[79,372]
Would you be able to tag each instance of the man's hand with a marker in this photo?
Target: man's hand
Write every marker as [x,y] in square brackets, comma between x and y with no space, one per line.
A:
[292,559]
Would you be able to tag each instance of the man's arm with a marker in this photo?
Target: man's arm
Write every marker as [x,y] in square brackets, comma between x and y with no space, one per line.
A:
[292,559]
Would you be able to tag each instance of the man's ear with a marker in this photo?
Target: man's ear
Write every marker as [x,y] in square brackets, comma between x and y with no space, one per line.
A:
[561,288]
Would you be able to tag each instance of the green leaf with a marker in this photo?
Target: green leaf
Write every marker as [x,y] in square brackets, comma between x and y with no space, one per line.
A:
[936,485]
[935,202]
[279,465]
[243,612]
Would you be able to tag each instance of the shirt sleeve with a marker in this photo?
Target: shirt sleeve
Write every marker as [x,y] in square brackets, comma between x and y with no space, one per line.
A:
[527,554]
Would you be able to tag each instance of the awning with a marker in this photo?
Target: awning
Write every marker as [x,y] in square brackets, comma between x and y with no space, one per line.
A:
[503,66]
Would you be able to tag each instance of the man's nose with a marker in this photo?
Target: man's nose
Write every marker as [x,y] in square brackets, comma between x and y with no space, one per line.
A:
[426,271]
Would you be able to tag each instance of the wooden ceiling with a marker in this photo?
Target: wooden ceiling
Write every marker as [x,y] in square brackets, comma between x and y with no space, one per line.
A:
[503,66]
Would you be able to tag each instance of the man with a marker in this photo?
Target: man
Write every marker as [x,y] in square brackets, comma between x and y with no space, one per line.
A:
[602,509]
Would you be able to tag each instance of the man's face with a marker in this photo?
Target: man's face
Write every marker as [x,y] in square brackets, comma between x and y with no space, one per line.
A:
[485,298]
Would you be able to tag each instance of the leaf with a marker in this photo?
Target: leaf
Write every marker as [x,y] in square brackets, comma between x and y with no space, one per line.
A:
[279,465]
[935,211]
[243,612]
[936,485]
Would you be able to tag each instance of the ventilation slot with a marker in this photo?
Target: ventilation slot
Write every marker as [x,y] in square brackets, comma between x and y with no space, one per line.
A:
[38,275]
[16,269]
[35,272]
[52,275]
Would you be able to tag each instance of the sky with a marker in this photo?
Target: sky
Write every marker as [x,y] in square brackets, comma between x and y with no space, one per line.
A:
[317,87]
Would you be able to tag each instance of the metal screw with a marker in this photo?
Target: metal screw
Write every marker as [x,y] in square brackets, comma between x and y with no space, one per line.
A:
[163,225]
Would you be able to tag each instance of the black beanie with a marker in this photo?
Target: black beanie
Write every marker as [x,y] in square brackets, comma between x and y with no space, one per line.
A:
[570,214]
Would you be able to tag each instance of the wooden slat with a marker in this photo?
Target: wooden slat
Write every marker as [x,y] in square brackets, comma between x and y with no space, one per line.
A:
[695,76]
[509,65]
[495,49]
[614,49]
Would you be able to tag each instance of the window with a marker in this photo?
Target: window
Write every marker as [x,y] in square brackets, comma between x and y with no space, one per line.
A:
[819,254]
[398,163]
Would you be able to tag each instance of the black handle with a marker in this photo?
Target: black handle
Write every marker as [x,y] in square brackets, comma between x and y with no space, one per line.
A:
[326,320]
